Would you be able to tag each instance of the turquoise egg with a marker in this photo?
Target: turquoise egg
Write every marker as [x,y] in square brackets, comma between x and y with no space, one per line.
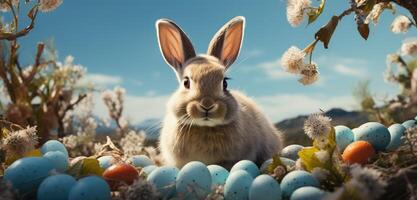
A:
[308,193]
[248,166]
[141,161]
[106,161]
[193,181]
[265,187]
[396,131]
[286,161]
[218,175]
[237,185]
[54,145]
[374,133]
[26,174]
[344,136]
[295,180]
[163,178]
[409,123]
[90,188]
[149,169]
[58,159]
[291,151]
[56,187]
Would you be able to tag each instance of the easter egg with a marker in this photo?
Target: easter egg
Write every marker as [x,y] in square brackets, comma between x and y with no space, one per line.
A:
[149,169]
[286,161]
[54,145]
[396,131]
[90,188]
[120,173]
[265,187]
[26,174]
[415,118]
[218,175]
[237,185]
[344,136]
[409,123]
[106,161]
[56,187]
[193,181]
[308,193]
[358,152]
[140,161]
[58,159]
[295,180]
[163,178]
[374,133]
[291,151]
[248,166]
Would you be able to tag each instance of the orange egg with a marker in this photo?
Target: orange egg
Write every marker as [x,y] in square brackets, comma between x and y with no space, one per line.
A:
[120,173]
[358,152]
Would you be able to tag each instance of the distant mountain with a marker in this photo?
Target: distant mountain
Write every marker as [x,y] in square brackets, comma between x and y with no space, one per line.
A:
[151,127]
[293,128]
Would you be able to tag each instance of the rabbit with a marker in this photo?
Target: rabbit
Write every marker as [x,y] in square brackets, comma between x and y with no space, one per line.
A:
[205,121]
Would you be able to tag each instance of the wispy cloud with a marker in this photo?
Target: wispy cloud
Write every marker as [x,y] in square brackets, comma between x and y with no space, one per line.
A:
[102,80]
[349,71]
[273,70]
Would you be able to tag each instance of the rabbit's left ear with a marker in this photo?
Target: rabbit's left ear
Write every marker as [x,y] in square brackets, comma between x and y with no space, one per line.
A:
[226,44]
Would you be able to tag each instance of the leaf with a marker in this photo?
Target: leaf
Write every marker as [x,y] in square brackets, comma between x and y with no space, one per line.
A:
[32,11]
[314,13]
[363,30]
[325,33]
[86,166]
[310,161]
[276,161]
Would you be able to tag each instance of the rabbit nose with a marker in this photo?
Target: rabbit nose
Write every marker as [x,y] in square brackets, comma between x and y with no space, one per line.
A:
[207,104]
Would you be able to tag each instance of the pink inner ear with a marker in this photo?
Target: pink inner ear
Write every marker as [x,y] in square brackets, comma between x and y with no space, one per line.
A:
[171,44]
[232,42]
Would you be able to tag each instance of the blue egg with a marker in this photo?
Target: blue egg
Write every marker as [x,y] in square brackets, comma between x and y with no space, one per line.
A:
[291,151]
[148,169]
[163,178]
[265,187]
[286,161]
[237,185]
[106,161]
[396,131]
[53,145]
[308,193]
[218,175]
[193,181]
[141,161]
[58,159]
[409,123]
[26,174]
[56,187]
[374,133]
[90,188]
[344,136]
[295,180]
[248,166]
[415,118]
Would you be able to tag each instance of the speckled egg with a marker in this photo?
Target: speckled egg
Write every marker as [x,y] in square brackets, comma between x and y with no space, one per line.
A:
[286,161]
[295,180]
[149,169]
[344,136]
[90,188]
[237,185]
[193,181]
[54,145]
[218,175]
[374,133]
[58,159]
[265,187]
[163,178]
[291,151]
[396,131]
[308,193]
[358,152]
[140,161]
[248,166]
[56,187]
[106,161]
[409,123]
[26,174]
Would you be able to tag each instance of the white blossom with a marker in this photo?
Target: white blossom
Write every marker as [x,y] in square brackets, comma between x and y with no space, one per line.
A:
[49,5]
[409,48]
[309,74]
[20,142]
[322,155]
[401,24]
[317,126]
[296,10]
[293,60]
[376,12]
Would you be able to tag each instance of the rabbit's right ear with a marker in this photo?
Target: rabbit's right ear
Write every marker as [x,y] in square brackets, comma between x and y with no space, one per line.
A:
[174,44]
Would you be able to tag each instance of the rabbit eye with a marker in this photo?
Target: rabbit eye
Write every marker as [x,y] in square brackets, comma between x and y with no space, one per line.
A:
[186,82]
[225,84]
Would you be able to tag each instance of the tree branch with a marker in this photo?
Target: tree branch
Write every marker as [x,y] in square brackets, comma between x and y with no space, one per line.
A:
[410,5]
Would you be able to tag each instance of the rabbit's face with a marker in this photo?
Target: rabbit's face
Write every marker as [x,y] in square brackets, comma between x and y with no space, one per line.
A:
[202,98]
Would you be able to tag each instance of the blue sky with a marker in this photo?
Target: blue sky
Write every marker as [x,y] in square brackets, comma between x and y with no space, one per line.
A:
[115,40]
